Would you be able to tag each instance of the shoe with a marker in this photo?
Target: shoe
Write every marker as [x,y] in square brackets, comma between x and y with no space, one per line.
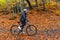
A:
[19,27]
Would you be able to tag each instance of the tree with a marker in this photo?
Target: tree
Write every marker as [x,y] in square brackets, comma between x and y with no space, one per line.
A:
[57,3]
[36,3]
[22,5]
[43,1]
[29,4]
[48,2]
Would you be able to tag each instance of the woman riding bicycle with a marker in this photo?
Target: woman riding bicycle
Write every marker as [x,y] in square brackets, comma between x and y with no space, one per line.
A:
[23,19]
[30,29]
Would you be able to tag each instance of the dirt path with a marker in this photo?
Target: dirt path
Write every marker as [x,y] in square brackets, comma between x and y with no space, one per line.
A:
[48,26]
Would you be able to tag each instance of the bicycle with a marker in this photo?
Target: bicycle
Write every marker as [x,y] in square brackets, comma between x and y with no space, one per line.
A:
[30,28]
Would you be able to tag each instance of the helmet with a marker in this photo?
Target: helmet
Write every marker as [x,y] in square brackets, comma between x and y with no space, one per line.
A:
[24,9]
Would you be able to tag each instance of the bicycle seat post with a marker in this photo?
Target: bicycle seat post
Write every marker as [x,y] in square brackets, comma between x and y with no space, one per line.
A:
[27,22]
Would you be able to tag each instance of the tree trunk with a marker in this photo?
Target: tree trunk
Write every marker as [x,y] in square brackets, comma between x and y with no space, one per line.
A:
[43,1]
[22,5]
[29,4]
[36,3]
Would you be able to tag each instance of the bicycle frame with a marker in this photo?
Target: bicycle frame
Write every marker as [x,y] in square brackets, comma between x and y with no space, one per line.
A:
[27,23]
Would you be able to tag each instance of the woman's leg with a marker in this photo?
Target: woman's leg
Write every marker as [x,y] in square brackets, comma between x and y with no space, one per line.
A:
[23,24]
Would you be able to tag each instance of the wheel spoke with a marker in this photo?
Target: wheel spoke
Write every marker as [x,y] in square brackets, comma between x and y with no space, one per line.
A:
[31,30]
[14,29]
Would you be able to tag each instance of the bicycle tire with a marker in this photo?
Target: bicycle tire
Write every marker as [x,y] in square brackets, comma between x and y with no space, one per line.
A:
[12,31]
[29,27]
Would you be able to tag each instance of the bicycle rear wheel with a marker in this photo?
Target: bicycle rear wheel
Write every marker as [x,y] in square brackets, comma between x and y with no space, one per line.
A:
[31,30]
[14,30]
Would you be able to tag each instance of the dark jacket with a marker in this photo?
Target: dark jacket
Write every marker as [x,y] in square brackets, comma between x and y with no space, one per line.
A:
[23,16]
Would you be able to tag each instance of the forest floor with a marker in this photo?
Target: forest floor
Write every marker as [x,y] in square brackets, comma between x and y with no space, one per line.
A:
[47,23]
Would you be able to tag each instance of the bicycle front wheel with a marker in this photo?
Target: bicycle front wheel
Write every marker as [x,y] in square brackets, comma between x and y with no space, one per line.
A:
[14,30]
[31,30]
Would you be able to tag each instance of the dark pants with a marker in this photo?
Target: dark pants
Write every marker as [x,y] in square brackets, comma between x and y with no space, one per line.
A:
[23,24]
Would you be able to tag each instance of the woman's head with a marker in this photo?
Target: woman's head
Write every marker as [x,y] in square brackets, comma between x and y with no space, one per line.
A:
[25,10]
